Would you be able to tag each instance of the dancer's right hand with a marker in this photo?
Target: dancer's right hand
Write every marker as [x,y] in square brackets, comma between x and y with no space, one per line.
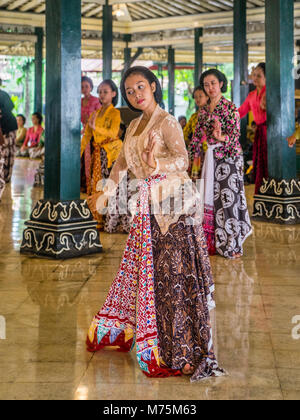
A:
[291,140]
[92,201]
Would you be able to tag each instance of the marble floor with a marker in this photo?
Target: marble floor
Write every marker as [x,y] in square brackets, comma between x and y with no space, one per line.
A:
[47,307]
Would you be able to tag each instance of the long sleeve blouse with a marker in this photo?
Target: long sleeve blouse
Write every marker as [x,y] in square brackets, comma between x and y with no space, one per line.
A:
[33,137]
[170,155]
[189,129]
[253,103]
[106,132]
[227,114]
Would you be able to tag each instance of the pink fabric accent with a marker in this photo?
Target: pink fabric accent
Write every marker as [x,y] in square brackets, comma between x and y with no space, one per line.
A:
[252,103]
[208,225]
[117,322]
[86,111]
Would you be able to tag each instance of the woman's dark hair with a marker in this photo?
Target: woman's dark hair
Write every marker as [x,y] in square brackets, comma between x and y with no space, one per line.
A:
[148,75]
[39,116]
[218,74]
[196,90]
[23,118]
[113,87]
[123,128]
[88,80]
[262,66]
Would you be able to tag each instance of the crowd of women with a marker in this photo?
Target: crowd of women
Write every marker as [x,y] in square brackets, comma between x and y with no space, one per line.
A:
[162,295]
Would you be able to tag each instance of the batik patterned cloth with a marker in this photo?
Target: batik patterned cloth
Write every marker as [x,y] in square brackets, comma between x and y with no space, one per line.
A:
[184,295]
[8,154]
[119,321]
[232,221]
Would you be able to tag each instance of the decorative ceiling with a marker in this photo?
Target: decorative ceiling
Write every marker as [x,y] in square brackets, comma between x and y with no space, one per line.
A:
[153,24]
[137,9]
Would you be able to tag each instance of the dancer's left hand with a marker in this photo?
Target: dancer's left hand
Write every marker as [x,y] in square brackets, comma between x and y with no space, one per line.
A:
[217,132]
[148,153]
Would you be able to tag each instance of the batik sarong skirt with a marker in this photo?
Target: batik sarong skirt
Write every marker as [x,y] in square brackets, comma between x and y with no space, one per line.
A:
[183,297]
[232,221]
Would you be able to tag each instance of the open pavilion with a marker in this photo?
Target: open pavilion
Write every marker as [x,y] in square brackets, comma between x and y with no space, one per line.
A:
[49,303]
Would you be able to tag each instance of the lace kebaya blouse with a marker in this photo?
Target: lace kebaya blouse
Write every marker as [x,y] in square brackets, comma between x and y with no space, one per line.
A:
[171,157]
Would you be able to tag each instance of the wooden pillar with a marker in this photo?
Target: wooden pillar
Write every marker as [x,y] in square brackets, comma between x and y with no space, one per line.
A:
[107,41]
[198,56]
[279,198]
[38,71]
[240,82]
[171,71]
[61,225]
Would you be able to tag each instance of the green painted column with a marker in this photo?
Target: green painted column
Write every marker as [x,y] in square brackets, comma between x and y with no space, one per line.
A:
[280,87]
[127,60]
[198,56]
[127,53]
[63,95]
[107,41]
[61,226]
[38,71]
[240,52]
[171,88]
[278,200]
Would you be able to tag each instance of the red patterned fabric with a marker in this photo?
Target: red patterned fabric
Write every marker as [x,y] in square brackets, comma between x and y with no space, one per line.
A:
[120,319]
[208,225]
[260,156]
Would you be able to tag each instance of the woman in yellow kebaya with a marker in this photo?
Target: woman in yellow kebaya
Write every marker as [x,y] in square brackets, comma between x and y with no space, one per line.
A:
[103,127]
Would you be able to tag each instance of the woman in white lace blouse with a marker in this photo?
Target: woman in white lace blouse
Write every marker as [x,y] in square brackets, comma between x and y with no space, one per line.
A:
[165,268]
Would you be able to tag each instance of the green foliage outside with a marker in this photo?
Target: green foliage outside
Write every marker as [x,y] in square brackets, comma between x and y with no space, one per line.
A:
[20,85]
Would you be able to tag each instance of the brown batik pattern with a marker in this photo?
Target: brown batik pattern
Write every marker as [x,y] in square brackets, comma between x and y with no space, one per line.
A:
[183,289]
[8,154]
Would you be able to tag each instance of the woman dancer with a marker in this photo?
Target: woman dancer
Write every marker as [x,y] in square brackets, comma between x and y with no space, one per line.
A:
[201,99]
[196,149]
[165,272]
[226,220]
[256,102]
[89,104]
[103,126]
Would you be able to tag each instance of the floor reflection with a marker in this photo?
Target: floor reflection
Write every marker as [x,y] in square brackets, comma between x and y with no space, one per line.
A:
[48,306]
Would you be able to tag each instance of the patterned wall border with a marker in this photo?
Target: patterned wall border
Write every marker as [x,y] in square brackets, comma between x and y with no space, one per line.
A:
[63,211]
[279,188]
[57,244]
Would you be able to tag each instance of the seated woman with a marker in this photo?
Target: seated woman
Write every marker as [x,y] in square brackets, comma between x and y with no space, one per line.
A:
[33,137]
[22,131]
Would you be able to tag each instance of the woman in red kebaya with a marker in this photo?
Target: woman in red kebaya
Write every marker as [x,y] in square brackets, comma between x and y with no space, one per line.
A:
[256,102]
